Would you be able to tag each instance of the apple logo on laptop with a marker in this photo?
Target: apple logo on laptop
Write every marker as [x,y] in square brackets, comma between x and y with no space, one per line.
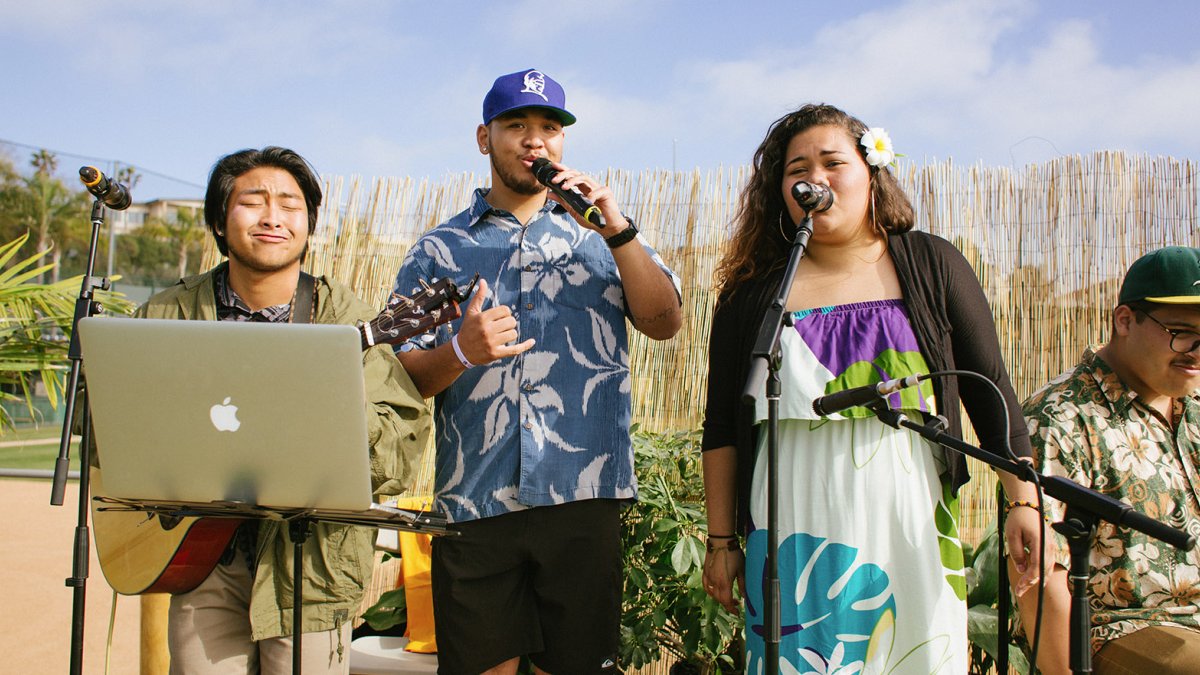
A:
[224,416]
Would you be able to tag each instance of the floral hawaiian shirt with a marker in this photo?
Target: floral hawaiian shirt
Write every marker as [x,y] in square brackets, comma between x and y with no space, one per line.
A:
[550,425]
[1088,427]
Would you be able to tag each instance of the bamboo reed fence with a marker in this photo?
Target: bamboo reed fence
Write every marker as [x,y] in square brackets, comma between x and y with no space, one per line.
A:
[1049,242]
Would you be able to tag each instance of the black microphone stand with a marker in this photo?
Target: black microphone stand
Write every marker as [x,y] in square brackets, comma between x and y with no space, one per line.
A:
[764,371]
[85,306]
[1084,508]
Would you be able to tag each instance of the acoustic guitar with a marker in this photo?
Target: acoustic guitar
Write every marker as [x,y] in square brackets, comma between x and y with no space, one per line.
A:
[143,552]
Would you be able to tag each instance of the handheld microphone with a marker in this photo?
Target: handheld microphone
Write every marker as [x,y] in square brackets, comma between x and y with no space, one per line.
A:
[856,396]
[812,197]
[114,195]
[544,172]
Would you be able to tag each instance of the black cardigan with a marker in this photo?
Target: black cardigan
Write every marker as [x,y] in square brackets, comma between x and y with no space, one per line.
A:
[954,329]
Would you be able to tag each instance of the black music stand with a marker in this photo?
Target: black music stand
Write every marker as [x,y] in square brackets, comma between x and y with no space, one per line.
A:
[299,521]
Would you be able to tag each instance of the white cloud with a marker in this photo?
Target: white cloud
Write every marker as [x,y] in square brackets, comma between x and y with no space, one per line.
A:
[394,88]
[954,79]
[1067,92]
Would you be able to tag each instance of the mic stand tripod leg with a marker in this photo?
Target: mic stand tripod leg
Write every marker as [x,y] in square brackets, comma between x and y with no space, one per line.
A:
[772,619]
[81,552]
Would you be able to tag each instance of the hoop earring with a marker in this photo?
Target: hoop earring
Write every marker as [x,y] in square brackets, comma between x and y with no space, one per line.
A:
[874,223]
[781,232]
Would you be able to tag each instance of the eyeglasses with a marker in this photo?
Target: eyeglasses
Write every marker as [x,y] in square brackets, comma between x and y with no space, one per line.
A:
[1182,341]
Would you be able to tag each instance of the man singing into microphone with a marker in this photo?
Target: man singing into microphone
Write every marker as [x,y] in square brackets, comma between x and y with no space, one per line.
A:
[534,459]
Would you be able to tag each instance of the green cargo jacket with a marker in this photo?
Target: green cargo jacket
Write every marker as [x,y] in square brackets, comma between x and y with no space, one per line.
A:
[338,559]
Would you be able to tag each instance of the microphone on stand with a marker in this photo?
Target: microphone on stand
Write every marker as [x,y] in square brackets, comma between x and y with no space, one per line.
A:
[114,195]
[812,197]
[857,396]
[545,172]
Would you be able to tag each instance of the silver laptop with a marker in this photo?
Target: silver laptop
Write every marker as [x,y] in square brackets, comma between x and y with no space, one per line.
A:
[211,411]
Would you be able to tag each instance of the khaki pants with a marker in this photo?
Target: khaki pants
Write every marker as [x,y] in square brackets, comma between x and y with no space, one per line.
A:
[208,631]
[1156,650]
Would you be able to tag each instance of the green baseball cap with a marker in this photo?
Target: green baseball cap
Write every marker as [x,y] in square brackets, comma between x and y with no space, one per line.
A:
[1169,275]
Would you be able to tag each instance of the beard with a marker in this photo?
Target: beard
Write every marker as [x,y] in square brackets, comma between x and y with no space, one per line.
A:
[520,180]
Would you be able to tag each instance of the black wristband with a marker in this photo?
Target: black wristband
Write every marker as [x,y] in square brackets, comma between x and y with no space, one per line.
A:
[725,545]
[624,236]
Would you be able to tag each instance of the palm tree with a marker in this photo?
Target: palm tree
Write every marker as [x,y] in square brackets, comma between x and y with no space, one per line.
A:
[35,323]
[186,232]
[33,317]
[48,208]
[44,162]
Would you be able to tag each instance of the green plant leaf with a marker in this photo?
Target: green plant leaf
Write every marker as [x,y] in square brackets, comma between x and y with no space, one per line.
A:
[985,571]
[665,525]
[983,632]
[665,610]
[389,611]
[681,557]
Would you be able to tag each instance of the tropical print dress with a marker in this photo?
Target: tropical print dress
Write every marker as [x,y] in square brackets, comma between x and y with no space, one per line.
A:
[870,563]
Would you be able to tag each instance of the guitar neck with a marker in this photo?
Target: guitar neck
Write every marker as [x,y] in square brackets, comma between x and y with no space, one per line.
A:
[405,317]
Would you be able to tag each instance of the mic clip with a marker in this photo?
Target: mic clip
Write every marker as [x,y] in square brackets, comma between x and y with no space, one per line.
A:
[885,413]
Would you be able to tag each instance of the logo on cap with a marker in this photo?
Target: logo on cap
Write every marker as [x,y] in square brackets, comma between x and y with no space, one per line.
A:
[516,90]
[535,83]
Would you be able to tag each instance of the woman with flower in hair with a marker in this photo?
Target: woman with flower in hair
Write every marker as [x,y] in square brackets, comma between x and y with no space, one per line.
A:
[870,564]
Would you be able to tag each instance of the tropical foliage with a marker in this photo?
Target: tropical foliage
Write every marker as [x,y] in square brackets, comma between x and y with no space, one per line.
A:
[35,323]
[54,212]
[33,319]
[163,250]
[665,610]
[983,593]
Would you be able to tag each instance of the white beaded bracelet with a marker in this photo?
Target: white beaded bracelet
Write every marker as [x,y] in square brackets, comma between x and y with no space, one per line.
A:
[462,358]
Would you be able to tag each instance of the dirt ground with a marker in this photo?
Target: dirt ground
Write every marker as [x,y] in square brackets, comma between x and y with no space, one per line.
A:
[36,543]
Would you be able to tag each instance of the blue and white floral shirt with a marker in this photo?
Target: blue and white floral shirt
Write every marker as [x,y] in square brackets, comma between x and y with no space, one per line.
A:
[550,425]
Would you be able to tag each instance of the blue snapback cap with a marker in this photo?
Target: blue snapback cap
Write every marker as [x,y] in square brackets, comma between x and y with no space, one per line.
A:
[526,89]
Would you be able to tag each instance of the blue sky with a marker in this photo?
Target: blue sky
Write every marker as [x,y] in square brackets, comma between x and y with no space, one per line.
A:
[394,87]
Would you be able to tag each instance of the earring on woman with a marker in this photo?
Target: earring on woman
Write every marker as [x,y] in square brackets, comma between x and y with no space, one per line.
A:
[874,223]
[781,232]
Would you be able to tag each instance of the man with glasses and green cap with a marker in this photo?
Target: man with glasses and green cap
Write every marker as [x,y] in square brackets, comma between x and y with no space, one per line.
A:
[1126,422]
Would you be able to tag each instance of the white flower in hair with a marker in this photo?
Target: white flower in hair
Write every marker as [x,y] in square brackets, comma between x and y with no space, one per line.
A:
[879,147]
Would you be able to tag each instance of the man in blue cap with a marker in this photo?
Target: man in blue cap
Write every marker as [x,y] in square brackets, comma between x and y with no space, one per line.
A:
[1126,422]
[532,405]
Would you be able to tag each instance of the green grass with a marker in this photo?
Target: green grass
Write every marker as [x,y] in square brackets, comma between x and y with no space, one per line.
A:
[27,453]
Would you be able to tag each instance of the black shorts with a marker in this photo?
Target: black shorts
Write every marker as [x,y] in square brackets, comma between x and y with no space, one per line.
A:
[544,582]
